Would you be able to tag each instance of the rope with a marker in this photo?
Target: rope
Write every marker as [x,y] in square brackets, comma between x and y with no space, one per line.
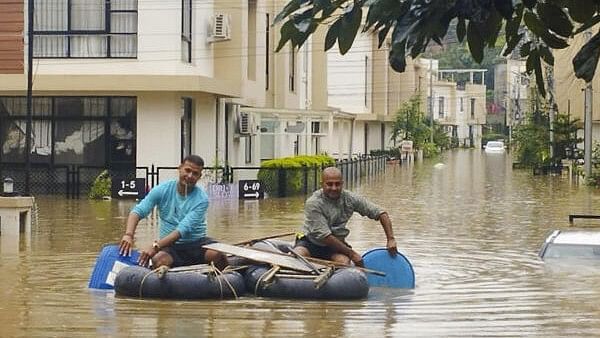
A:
[259,281]
[144,279]
[222,274]
[218,273]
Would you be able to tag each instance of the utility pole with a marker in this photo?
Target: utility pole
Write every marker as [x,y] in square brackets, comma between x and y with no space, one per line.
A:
[431,96]
[587,126]
[28,128]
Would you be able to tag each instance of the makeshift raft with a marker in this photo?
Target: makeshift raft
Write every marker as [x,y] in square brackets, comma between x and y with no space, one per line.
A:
[347,283]
[192,282]
[280,275]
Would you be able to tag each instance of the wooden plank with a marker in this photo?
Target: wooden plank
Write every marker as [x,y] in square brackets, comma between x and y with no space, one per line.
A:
[283,260]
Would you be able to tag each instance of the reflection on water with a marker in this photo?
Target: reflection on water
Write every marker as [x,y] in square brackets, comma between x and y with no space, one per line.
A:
[472,229]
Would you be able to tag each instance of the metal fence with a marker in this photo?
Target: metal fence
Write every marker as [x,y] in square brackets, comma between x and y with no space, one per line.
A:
[283,182]
[75,181]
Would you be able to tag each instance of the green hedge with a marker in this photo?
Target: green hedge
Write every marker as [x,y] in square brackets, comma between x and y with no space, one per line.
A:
[291,171]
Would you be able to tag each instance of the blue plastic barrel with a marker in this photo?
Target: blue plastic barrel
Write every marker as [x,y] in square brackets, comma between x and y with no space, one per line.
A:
[399,272]
[108,264]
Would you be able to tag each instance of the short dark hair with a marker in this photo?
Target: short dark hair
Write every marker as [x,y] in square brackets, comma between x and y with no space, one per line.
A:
[197,160]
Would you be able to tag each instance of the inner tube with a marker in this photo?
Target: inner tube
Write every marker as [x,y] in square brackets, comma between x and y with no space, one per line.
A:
[137,281]
[346,283]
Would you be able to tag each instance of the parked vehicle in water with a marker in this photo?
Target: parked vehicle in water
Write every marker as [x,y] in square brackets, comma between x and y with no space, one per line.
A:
[580,244]
[494,147]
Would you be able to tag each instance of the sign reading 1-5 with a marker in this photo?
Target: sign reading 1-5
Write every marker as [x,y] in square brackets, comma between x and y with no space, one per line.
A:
[251,189]
[127,188]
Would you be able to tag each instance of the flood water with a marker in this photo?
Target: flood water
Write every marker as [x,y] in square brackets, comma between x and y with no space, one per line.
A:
[471,227]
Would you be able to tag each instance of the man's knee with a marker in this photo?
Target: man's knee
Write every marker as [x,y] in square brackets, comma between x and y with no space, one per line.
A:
[303,251]
[214,256]
[162,258]
[340,258]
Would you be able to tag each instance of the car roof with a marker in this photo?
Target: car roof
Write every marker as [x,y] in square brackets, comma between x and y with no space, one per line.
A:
[585,237]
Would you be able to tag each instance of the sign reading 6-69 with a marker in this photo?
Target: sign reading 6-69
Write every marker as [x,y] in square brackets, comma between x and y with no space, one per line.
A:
[251,189]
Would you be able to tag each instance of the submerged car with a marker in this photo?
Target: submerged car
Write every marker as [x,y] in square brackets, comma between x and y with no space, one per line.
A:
[494,147]
[580,244]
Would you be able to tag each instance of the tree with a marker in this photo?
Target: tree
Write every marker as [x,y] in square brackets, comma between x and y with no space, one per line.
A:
[412,24]
[532,140]
[565,136]
[411,124]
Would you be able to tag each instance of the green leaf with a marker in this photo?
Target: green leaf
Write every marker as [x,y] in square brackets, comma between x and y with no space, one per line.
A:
[581,10]
[555,19]
[505,8]
[350,25]
[382,34]
[546,54]
[538,28]
[511,44]
[461,30]
[554,41]
[492,28]
[332,35]
[588,24]
[586,60]
[539,76]
[475,41]
[291,7]
[397,57]
[535,25]
[525,49]
[287,31]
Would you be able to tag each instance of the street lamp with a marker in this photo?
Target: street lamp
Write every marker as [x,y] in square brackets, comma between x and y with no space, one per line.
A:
[8,186]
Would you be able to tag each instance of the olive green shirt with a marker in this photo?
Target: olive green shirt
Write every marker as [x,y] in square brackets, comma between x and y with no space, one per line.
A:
[324,216]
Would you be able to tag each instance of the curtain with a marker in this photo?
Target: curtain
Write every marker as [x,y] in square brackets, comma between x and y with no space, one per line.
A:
[88,15]
[50,16]
[123,44]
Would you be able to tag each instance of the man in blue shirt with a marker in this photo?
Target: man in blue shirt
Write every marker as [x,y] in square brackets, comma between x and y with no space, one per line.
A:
[182,210]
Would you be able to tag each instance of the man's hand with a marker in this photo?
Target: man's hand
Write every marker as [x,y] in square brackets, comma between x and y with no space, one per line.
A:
[126,245]
[357,259]
[145,256]
[391,247]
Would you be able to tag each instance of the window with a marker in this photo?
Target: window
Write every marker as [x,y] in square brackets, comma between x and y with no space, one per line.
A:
[248,150]
[472,108]
[366,139]
[292,69]
[441,106]
[70,130]
[85,29]
[366,79]
[267,33]
[462,106]
[186,31]
[251,36]
[382,135]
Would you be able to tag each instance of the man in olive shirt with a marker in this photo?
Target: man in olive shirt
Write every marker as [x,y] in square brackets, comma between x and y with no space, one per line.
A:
[326,214]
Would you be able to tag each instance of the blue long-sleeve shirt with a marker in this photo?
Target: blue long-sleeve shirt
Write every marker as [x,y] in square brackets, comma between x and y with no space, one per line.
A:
[184,214]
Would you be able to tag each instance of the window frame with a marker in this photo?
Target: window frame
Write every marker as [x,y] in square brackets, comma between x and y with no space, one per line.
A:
[69,33]
[54,119]
[186,40]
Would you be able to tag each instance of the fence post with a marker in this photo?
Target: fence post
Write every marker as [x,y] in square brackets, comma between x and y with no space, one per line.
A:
[316,183]
[281,189]
[305,177]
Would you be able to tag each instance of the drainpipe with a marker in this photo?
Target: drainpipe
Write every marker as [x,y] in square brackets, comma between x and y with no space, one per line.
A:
[29,97]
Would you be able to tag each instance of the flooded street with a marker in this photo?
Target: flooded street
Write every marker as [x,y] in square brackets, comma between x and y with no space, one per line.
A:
[471,227]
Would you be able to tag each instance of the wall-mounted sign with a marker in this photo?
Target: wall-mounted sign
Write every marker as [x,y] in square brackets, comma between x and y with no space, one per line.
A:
[127,188]
[251,189]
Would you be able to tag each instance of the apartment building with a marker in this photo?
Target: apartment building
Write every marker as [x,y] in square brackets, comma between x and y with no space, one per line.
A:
[569,90]
[457,98]
[122,84]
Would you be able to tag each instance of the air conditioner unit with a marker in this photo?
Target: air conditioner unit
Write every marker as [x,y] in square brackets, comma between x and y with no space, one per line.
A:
[246,124]
[220,30]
